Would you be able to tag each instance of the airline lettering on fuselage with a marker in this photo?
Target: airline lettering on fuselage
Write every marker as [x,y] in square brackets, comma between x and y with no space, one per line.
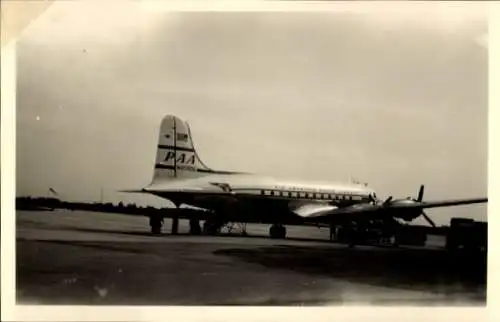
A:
[182,159]
[310,190]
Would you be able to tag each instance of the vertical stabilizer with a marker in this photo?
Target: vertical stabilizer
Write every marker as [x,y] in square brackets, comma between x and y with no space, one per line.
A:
[176,156]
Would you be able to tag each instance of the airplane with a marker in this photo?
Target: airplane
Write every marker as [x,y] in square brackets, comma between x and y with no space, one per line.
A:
[231,196]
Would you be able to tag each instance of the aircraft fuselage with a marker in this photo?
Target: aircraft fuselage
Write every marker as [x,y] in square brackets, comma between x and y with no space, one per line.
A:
[258,199]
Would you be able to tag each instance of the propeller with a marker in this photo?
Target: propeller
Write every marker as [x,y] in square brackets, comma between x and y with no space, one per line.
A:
[420,193]
[419,199]
[373,199]
[429,220]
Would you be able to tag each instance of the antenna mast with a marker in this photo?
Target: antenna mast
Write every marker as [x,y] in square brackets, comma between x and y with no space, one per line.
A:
[175,150]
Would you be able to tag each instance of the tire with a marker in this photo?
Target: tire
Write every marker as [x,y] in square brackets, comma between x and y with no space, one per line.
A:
[277,232]
[282,232]
[209,229]
[156,230]
[194,227]
[273,232]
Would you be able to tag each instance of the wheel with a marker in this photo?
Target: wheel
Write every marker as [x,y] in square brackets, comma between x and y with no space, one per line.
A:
[273,231]
[156,230]
[282,232]
[194,227]
[210,228]
[277,231]
[155,224]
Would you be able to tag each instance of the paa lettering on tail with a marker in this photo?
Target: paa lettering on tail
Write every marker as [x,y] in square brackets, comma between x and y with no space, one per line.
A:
[182,158]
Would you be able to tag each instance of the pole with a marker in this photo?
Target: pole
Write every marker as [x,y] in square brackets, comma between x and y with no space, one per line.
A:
[175,150]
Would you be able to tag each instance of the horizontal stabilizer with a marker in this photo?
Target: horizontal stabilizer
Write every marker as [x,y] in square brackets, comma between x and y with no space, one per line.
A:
[134,191]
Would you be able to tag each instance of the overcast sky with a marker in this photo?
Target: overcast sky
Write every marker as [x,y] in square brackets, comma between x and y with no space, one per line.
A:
[395,100]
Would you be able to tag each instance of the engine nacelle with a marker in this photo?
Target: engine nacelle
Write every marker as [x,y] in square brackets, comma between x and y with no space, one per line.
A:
[407,215]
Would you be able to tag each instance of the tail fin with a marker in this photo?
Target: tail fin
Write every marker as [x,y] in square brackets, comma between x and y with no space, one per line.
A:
[176,156]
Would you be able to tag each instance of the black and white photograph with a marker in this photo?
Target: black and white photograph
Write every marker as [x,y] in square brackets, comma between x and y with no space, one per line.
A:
[169,157]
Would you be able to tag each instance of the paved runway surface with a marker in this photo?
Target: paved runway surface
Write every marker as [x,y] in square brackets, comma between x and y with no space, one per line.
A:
[66,257]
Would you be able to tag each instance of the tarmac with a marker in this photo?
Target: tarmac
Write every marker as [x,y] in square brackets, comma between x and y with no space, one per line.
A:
[86,258]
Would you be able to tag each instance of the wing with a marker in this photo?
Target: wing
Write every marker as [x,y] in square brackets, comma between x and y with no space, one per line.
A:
[311,209]
[387,208]
[436,204]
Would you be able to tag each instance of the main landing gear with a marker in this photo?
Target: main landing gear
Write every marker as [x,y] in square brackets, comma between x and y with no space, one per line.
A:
[156,223]
[277,231]
[194,227]
[211,227]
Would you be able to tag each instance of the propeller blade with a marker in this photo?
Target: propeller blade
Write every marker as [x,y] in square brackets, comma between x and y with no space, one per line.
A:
[388,200]
[420,193]
[429,220]
[370,196]
[374,199]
